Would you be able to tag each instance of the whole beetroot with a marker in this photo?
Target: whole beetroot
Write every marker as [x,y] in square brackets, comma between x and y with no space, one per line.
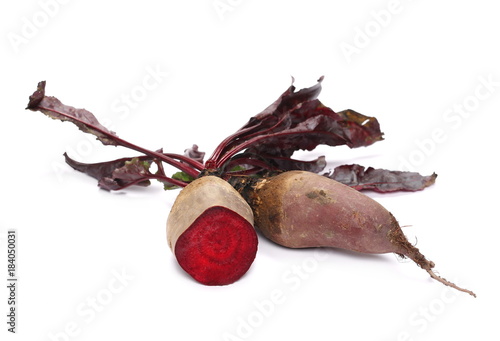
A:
[299,209]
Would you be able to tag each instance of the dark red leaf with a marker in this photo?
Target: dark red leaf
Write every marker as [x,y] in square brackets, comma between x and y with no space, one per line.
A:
[287,101]
[97,170]
[194,153]
[380,180]
[314,124]
[288,164]
[359,130]
[82,118]
[88,123]
[297,121]
[125,172]
[37,96]
[272,119]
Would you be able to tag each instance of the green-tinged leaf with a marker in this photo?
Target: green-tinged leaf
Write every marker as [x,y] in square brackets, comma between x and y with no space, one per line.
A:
[182,177]
[237,168]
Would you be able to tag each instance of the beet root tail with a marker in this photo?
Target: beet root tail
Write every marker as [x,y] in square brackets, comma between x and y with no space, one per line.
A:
[448,283]
[407,249]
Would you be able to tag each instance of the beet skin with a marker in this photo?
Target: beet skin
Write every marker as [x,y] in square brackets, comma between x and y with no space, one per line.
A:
[299,209]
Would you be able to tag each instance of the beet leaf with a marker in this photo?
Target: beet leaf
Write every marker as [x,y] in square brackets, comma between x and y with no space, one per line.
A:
[380,180]
[82,118]
[121,173]
[297,121]
[88,123]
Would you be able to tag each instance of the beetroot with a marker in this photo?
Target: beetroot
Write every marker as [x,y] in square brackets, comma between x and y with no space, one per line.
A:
[210,225]
[218,247]
[210,230]
[300,209]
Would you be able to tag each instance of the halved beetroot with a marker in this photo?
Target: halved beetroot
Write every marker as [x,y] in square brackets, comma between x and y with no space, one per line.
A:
[210,230]
[218,248]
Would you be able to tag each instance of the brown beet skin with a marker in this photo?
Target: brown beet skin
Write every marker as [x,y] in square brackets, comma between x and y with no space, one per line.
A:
[299,209]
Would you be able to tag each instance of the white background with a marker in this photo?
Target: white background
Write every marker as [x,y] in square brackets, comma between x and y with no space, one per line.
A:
[411,64]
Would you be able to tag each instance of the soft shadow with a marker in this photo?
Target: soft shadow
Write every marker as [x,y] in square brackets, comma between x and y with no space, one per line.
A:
[273,250]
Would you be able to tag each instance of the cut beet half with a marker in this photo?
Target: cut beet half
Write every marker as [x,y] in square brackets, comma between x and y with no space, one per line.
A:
[218,248]
[210,231]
